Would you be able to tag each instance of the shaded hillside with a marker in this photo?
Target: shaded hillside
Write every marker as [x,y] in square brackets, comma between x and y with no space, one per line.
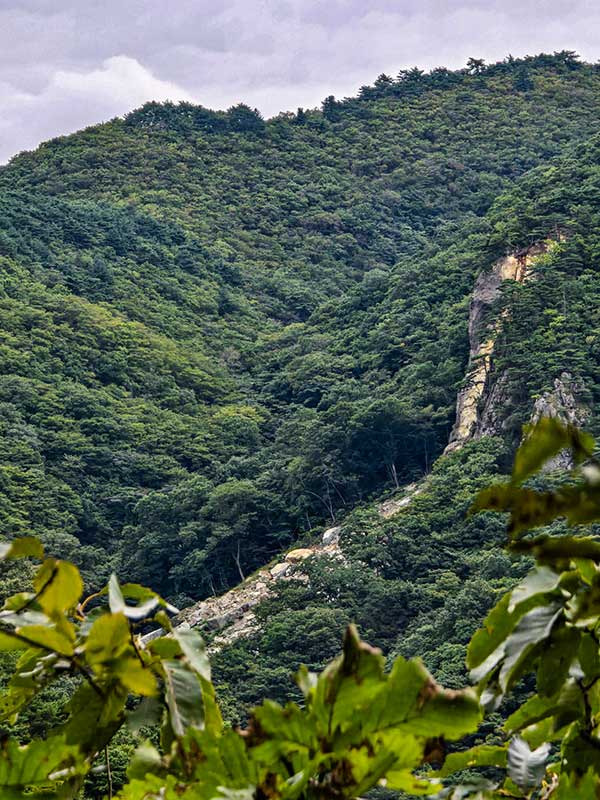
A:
[234,330]
[419,578]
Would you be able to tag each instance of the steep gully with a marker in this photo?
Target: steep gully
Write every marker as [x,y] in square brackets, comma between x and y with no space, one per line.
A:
[232,615]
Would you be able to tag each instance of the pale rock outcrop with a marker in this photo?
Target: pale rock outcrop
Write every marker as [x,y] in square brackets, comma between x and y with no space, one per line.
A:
[231,616]
[477,402]
[295,556]
[565,404]
[332,536]
[395,504]
[279,570]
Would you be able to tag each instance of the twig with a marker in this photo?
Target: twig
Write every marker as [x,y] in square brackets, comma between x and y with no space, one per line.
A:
[108,772]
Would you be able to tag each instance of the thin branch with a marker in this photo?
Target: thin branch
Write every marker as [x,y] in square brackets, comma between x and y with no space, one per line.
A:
[108,772]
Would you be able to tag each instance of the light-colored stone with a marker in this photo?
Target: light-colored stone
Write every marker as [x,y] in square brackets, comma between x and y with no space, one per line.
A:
[301,553]
[279,570]
[390,507]
[562,403]
[332,536]
[231,616]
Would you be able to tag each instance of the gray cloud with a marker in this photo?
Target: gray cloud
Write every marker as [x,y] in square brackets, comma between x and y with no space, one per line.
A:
[65,64]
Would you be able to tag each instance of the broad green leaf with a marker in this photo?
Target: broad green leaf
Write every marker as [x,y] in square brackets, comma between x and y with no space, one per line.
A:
[589,656]
[574,786]
[18,601]
[108,638]
[59,586]
[8,642]
[368,767]
[213,721]
[134,591]
[541,580]
[146,714]
[30,765]
[226,761]
[400,695]
[48,638]
[403,780]
[484,755]
[556,659]
[349,682]
[288,725]
[580,751]
[136,677]
[526,767]
[26,546]
[532,629]
[153,787]
[194,649]
[489,640]
[183,697]
[537,708]
[543,731]
[587,569]
[146,760]
[306,680]
[13,699]
[165,647]
[162,618]
[93,718]
[446,713]
[117,604]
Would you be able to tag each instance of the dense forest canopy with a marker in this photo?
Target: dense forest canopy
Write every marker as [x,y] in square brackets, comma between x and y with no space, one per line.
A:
[219,331]
[358,726]
[220,334]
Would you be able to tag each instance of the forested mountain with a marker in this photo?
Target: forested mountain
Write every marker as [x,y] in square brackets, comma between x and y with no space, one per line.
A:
[219,333]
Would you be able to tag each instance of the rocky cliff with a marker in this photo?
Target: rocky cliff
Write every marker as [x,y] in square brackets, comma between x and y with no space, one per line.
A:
[563,402]
[482,393]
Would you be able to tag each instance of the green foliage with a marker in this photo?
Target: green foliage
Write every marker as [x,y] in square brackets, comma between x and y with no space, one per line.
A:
[548,624]
[218,332]
[356,727]
[199,305]
[416,584]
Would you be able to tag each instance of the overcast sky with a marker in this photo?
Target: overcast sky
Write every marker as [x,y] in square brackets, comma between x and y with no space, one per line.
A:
[65,64]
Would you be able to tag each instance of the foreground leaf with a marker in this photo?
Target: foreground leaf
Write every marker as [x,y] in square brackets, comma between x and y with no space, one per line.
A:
[526,767]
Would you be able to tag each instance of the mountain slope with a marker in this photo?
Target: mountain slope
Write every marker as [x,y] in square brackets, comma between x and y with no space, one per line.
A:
[420,580]
[235,330]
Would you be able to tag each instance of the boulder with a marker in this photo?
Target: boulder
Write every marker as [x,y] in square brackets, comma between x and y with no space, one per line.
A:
[279,570]
[294,556]
[331,536]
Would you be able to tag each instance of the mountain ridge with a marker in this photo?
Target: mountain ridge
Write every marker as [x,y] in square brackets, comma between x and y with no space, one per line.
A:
[214,343]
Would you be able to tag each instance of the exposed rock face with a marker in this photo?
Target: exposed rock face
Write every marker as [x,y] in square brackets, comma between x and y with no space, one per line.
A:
[295,556]
[232,614]
[563,403]
[476,403]
[392,506]
[332,536]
